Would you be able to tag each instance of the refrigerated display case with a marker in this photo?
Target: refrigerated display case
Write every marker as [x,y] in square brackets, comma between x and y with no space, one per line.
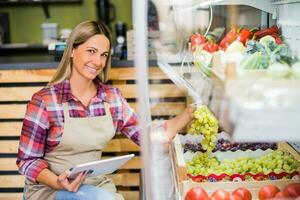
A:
[250,83]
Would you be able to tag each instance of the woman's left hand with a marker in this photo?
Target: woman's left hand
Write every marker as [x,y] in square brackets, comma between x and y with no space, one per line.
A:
[71,185]
[177,123]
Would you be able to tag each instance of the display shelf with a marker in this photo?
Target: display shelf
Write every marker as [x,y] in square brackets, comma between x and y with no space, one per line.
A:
[278,2]
[192,80]
[265,6]
[184,183]
[260,109]
[250,109]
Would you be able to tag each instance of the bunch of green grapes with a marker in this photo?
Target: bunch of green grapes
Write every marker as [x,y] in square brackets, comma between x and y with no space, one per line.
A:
[205,123]
[202,164]
[277,161]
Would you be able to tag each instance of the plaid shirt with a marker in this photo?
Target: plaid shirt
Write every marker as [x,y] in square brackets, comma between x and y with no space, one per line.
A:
[44,121]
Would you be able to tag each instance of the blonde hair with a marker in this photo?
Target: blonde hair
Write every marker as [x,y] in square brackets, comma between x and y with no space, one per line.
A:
[80,34]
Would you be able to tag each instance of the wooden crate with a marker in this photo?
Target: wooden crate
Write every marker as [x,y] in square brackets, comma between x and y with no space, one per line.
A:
[183,183]
[16,89]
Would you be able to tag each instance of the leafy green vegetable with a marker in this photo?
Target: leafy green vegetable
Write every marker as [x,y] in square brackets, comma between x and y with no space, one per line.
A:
[202,61]
[259,55]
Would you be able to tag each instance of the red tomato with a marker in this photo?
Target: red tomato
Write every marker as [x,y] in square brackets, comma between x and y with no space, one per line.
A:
[243,193]
[293,189]
[235,197]
[268,192]
[196,193]
[283,195]
[220,195]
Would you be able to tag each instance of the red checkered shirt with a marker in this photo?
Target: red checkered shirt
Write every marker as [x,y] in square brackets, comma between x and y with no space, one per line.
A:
[44,121]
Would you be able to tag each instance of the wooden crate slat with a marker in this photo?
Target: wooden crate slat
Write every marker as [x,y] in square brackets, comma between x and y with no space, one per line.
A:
[12,111]
[156,91]
[115,145]
[18,93]
[17,111]
[9,164]
[12,181]
[167,108]
[120,179]
[44,75]
[128,90]
[9,146]
[252,186]
[130,195]
[129,73]
[10,128]
[125,179]
[11,196]
[121,145]
[26,75]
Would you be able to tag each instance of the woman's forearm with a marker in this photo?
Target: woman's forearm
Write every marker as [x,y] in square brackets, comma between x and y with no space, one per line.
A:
[48,178]
[177,123]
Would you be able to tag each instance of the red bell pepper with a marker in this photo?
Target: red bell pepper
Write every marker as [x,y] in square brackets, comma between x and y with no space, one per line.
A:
[197,39]
[229,38]
[278,40]
[244,35]
[210,47]
[268,31]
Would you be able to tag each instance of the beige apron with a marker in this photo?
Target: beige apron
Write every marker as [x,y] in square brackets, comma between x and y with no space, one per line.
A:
[82,141]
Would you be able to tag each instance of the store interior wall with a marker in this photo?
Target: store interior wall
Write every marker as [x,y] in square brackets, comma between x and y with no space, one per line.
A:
[25,20]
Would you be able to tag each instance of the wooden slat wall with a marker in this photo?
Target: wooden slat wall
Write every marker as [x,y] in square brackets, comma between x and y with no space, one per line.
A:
[44,75]
[16,89]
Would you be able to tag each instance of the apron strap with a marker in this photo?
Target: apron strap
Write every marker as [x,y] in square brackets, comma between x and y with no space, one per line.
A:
[66,111]
[107,111]
[67,115]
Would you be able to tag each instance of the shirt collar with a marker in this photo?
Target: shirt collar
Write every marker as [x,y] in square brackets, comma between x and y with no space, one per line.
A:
[64,93]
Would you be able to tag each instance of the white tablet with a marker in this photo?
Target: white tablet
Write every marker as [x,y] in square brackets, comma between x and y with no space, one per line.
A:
[101,167]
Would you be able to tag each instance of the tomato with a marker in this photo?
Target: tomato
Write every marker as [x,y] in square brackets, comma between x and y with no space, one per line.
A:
[268,192]
[293,189]
[243,193]
[282,195]
[196,193]
[235,197]
[220,195]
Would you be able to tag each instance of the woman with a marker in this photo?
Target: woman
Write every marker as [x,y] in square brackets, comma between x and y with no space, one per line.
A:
[74,117]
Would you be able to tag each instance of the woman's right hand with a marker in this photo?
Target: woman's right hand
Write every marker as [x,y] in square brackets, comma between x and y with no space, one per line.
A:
[71,185]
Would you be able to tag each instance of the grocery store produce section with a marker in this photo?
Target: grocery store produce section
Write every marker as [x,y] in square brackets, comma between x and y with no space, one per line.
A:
[244,81]
[208,165]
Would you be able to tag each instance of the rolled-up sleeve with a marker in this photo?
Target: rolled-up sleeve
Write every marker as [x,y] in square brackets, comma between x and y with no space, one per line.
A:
[128,121]
[33,139]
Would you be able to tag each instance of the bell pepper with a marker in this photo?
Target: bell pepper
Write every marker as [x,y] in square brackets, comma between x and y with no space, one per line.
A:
[278,40]
[229,38]
[244,35]
[197,39]
[268,31]
[210,47]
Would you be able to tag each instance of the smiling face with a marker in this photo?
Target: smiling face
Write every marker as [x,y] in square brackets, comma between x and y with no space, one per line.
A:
[89,58]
